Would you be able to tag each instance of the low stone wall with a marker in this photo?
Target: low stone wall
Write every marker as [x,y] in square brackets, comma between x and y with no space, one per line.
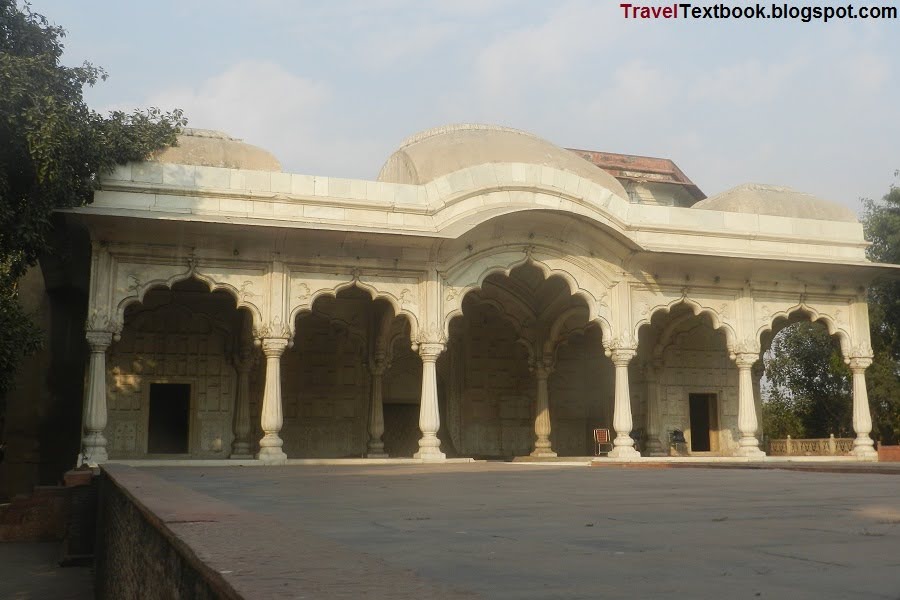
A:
[36,517]
[138,556]
[830,446]
[888,453]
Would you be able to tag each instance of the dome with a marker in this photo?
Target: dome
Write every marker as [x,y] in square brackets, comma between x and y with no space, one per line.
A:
[778,201]
[437,152]
[208,148]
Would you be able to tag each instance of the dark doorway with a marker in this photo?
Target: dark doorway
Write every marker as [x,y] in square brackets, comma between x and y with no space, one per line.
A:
[401,429]
[170,411]
[702,407]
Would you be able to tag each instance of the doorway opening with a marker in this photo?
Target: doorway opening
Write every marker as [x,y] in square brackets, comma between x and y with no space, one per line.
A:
[703,420]
[169,423]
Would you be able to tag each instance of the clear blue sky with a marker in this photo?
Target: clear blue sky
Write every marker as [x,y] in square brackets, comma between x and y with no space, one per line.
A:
[332,87]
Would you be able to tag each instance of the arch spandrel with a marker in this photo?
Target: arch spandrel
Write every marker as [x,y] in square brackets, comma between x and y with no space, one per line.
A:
[721,310]
[470,196]
[469,274]
[403,292]
[834,313]
[540,226]
[132,280]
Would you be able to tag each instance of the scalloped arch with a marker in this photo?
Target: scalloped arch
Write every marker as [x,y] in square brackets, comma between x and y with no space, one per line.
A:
[546,271]
[815,316]
[370,289]
[582,331]
[698,309]
[210,283]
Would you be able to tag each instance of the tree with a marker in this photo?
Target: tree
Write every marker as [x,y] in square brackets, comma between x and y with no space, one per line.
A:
[809,385]
[53,150]
[882,224]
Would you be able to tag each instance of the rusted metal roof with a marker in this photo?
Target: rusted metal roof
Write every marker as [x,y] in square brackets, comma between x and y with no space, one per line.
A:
[629,167]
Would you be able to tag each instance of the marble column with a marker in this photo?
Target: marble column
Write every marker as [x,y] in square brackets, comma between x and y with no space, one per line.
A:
[542,446]
[863,446]
[240,447]
[376,410]
[429,416]
[272,418]
[747,423]
[93,444]
[623,445]
[654,445]
[758,370]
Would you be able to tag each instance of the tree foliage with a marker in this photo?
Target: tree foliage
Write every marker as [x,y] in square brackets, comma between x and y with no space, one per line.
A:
[53,148]
[809,385]
[882,224]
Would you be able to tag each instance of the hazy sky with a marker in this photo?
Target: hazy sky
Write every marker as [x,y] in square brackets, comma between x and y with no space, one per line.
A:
[332,88]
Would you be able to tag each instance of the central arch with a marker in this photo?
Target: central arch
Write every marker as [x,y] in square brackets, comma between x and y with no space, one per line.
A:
[512,378]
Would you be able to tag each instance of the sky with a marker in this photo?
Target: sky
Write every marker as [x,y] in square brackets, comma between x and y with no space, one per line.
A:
[333,87]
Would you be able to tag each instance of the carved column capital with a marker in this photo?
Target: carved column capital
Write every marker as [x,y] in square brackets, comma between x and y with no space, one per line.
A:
[430,351]
[746,360]
[99,341]
[746,347]
[859,364]
[378,364]
[273,347]
[541,370]
[622,356]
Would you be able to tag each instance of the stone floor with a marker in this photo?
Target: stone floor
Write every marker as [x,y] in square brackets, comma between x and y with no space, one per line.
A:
[500,530]
[31,571]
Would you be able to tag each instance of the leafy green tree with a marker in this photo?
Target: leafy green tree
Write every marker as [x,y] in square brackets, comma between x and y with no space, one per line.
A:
[882,225]
[781,417]
[809,391]
[52,150]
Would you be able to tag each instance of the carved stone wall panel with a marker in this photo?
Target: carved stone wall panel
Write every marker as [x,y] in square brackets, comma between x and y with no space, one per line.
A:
[698,363]
[215,439]
[581,391]
[123,436]
[165,341]
[325,384]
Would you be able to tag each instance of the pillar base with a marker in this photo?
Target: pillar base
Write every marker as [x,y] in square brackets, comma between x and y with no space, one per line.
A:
[751,452]
[430,454]
[655,448]
[624,452]
[864,449]
[543,453]
[377,455]
[271,455]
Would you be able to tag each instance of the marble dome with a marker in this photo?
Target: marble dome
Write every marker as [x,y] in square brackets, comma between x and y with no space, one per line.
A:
[209,148]
[779,201]
[434,153]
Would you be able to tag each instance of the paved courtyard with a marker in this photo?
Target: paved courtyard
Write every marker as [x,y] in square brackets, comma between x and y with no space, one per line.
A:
[499,530]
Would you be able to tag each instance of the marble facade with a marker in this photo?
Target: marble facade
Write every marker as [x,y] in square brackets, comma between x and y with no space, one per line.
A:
[489,294]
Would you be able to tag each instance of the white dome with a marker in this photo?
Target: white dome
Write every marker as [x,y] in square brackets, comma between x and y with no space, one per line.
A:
[434,153]
[208,148]
[761,199]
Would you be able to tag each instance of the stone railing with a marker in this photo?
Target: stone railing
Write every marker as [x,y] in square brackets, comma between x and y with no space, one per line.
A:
[830,446]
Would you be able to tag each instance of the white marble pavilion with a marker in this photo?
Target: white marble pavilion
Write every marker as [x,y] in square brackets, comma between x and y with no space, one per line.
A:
[488,294]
